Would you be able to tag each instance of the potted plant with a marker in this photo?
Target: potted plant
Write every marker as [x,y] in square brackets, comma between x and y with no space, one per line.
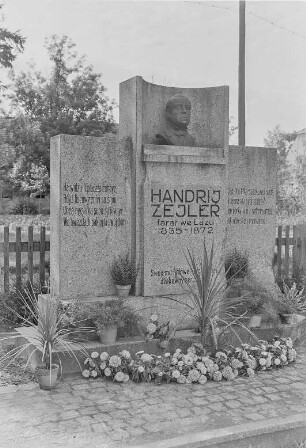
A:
[292,303]
[110,316]
[124,273]
[46,336]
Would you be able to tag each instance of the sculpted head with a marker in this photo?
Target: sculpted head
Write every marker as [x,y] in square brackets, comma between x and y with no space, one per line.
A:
[178,109]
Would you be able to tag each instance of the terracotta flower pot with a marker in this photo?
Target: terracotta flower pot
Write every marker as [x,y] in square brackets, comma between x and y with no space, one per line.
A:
[123,290]
[47,378]
[108,335]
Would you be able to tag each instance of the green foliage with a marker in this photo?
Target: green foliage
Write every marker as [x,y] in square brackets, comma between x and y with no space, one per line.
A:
[292,300]
[114,313]
[123,270]
[210,305]
[71,100]
[236,265]
[11,43]
[24,207]
[289,188]
[45,322]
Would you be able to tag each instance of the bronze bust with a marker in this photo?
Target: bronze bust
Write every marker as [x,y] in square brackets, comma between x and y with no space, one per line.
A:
[178,109]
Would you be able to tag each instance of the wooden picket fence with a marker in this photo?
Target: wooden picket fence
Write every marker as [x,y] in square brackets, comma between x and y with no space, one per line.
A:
[42,246]
[290,250]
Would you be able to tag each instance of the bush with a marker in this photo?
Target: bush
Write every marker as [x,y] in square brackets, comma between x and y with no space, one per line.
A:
[124,271]
[24,207]
[15,307]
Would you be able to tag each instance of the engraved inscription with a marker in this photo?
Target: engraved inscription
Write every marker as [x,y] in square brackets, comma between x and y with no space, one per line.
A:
[92,205]
[250,206]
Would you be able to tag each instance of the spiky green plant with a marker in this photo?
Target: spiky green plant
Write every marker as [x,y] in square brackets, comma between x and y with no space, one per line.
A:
[47,335]
[209,304]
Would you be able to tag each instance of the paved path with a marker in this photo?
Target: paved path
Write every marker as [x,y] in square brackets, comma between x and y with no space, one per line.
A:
[96,413]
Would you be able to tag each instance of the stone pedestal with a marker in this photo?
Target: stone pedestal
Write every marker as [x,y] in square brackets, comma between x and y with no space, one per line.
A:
[90,213]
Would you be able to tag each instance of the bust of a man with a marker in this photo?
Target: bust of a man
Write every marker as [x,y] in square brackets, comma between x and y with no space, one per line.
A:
[178,109]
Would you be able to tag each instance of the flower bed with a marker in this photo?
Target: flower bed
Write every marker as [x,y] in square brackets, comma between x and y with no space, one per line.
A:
[196,366]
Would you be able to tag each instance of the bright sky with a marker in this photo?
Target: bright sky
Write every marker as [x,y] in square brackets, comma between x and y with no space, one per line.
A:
[185,44]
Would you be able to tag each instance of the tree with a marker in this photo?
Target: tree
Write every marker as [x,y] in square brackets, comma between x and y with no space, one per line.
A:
[70,101]
[289,190]
[11,43]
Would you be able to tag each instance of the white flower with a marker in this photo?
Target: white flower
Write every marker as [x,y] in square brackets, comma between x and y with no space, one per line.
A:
[289,343]
[283,358]
[174,361]
[119,377]
[166,355]
[276,343]
[227,373]
[262,361]
[194,375]
[114,361]
[180,363]
[103,365]
[94,373]
[126,378]
[146,358]
[250,372]
[104,356]
[202,379]
[277,361]
[153,318]
[191,350]
[217,376]
[107,371]
[175,374]
[236,364]
[86,373]
[125,354]
[94,355]
[221,355]
[151,328]
[140,369]
[188,360]
[181,379]
[160,373]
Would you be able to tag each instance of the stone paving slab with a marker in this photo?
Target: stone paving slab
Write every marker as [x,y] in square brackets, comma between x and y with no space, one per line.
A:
[98,413]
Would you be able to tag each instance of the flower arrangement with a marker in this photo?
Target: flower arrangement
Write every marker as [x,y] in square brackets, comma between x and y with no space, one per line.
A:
[195,366]
[155,330]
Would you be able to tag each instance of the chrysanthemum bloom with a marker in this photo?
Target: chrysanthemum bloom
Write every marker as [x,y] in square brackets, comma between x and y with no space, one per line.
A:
[252,363]
[221,356]
[191,350]
[86,373]
[188,360]
[146,357]
[201,367]
[289,343]
[153,318]
[104,356]
[203,379]
[174,361]
[194,375]
[277,361]
[262,361]
[94,355]
[227,373]
[217,376]
[236,364]
[181,379]
[177,351]
[103,365]
[180,363]
[94,373]
[119,377]
[250,372]
[166,355]
[283,358]
[151,328]
[276,343]
[114,361]
[269,361]
[126,378]
[215,367]
[140,369]
[125,354]
[107,371]
[175,374]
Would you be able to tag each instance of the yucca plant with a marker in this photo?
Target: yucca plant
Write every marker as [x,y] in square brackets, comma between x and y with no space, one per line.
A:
[209,304]
[47,335]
